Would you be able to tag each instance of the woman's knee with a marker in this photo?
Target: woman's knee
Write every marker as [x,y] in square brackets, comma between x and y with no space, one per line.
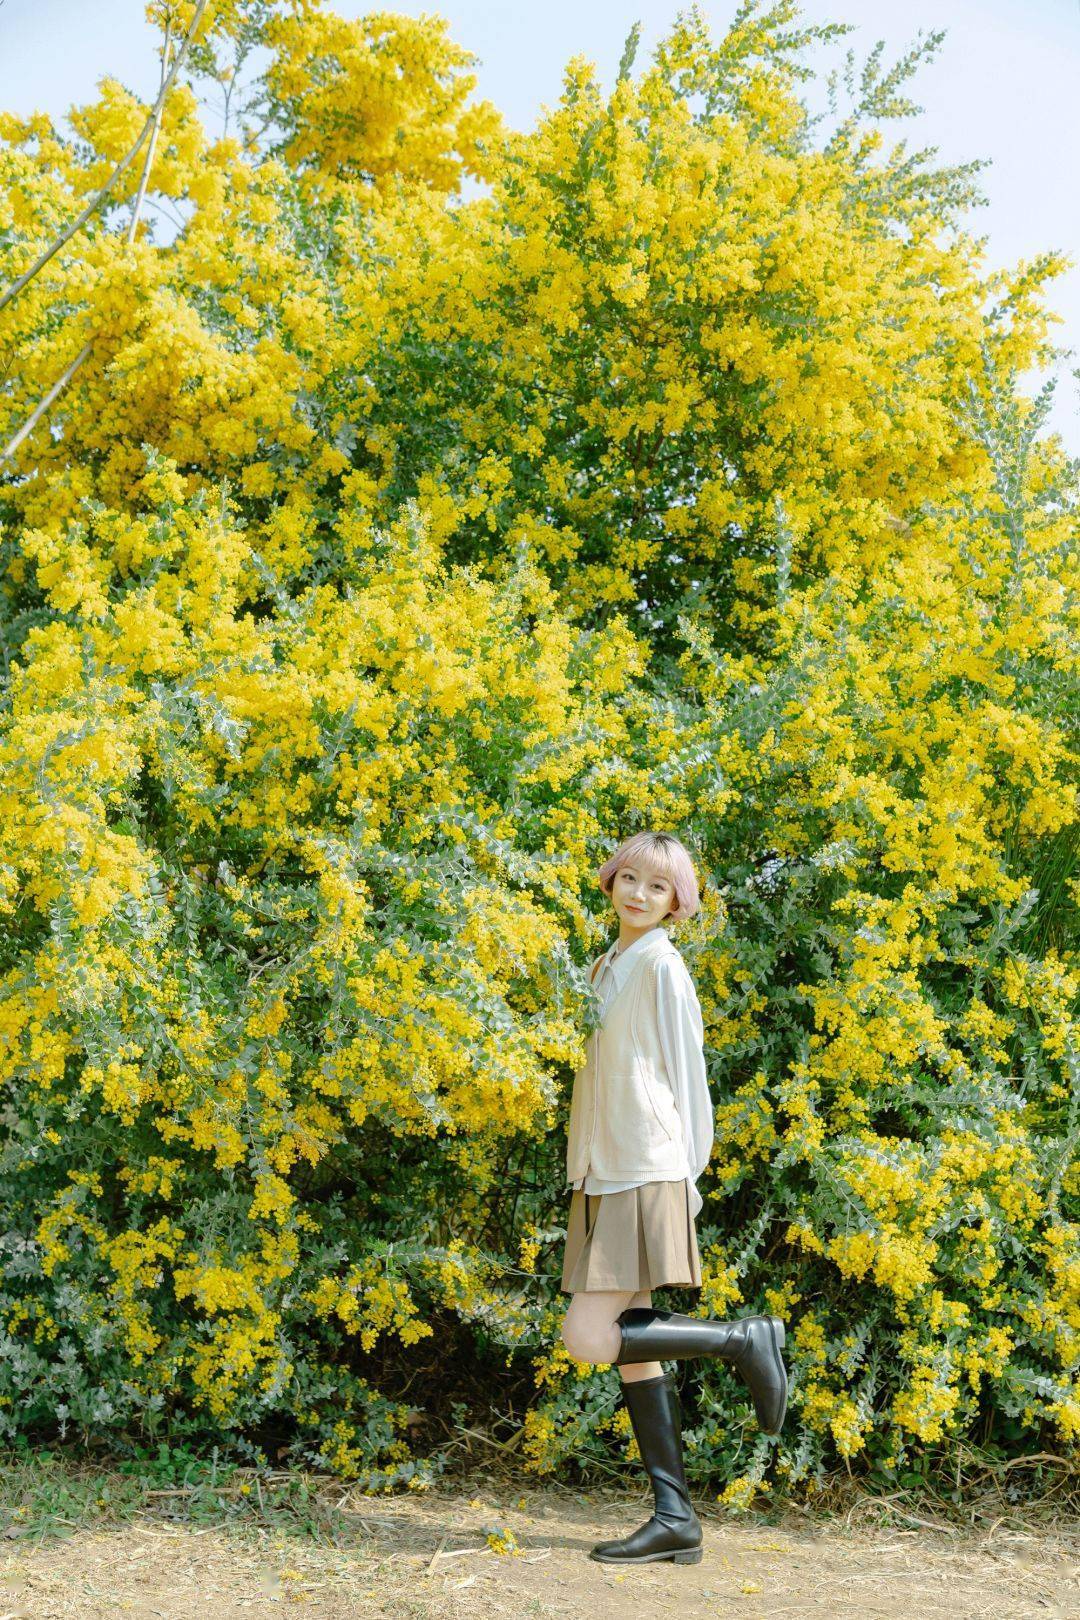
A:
[579,1339]
[587,1336]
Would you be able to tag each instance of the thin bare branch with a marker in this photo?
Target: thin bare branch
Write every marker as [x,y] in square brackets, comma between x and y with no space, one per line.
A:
[148,165]
[66,235]
[43,404]
[84,353]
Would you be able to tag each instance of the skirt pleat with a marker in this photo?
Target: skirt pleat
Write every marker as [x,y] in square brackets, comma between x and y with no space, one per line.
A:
[639,1239]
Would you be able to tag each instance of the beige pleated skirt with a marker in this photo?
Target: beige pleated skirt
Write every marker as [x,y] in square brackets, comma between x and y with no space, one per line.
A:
[641,1238]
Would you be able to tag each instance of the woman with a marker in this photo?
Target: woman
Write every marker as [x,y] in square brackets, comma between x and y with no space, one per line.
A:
[639,1135]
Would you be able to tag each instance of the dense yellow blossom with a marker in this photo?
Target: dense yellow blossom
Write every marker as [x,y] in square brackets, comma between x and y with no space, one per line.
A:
[403,544]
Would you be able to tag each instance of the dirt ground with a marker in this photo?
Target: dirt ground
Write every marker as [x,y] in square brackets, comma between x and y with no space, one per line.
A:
[430,1556]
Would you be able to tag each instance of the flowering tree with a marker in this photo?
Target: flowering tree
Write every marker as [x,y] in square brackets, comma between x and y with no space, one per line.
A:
[372,559]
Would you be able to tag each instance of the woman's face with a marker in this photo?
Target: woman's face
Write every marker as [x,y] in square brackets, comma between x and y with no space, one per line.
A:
[642,895]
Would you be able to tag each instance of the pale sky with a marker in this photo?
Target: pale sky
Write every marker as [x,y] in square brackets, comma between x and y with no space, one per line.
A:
[1002,85]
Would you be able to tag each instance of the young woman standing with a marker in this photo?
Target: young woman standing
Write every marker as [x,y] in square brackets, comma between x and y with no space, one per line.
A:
[639,1135]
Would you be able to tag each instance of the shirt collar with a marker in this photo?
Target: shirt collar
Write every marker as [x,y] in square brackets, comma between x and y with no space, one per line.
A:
[620,962]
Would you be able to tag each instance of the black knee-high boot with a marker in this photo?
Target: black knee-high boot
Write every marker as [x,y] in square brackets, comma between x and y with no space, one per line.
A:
[674,1531]
[752,1345]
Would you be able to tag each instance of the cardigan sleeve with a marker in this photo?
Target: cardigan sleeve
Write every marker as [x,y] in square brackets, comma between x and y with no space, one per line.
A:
[682,1034]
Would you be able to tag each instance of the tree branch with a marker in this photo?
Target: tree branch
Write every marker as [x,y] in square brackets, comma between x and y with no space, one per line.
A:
[151,124]
[148,165]
[43,404]
[84,353]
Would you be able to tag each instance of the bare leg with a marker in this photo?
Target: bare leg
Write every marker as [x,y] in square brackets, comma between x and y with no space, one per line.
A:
[590,1330]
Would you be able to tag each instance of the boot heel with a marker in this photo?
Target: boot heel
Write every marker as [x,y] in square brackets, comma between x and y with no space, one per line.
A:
[691,1557]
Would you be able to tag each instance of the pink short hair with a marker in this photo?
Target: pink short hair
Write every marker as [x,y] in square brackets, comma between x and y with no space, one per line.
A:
[666,853]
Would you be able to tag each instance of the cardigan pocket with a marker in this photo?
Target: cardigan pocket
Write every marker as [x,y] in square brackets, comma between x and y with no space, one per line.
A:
[662,1098]
[631,1125]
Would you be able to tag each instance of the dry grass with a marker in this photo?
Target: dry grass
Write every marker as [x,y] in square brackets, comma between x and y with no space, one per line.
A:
[125,1548]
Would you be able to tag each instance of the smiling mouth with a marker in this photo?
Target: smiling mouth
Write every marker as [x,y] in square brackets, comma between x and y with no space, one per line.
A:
[629,907]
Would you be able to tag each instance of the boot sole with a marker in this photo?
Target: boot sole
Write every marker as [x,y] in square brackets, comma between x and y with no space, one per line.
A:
[692,1555]
[779,1336]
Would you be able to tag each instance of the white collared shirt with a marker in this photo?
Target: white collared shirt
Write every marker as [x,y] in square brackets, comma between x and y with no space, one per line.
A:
[682,1033]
